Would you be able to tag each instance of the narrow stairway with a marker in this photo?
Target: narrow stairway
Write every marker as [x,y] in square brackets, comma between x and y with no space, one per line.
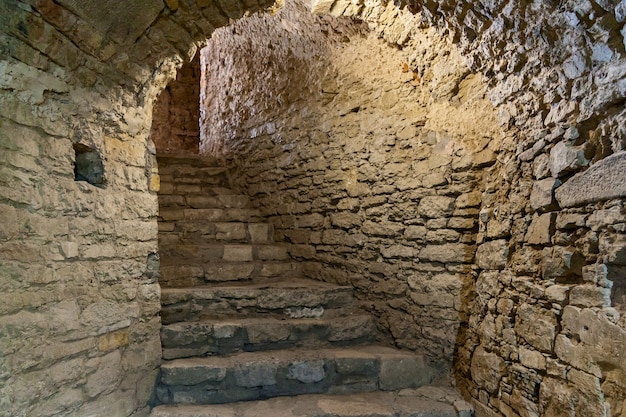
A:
[244,335]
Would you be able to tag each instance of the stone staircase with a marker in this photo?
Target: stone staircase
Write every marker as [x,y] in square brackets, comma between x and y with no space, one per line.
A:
[244,336]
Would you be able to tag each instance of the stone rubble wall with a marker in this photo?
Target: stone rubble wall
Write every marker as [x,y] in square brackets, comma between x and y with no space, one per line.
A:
[373,172]
[176,113]
[79,303]
[539,324]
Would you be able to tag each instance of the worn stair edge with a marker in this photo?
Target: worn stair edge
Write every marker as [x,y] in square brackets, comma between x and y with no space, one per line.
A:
[427,401]
[210,214]
[186,339]
[188,274]
[203,201]
[279,297]
[219,251]
[256,375]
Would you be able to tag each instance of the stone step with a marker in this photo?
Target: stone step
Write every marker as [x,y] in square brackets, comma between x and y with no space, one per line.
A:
[257,375]
[187,274]
[427,401]
[172,161]
[171,187]
[169,214]
[215,177]
[185,232]
[241,252]
[287,298]
[201,338]
[203,201]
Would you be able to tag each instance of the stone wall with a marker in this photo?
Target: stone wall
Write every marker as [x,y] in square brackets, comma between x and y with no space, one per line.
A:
[176,113]
[540,322]
[79,303]
[355,175]
[373,176]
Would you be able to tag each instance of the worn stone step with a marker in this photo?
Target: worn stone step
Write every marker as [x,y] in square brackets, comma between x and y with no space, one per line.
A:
[210,215]
[171,187]
[427,401]
[172,161]
[176,273]
[185,232]
[256,375]
[203,201]
[241,252]
[289,298]
[201,338]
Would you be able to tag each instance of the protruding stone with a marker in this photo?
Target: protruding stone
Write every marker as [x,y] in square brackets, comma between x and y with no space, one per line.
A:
[541,229]
[604,180]
[542,194]
[492,254]
[565,158]
[487,369]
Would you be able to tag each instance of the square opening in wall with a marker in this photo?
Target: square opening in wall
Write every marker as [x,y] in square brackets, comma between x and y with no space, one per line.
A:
[88,165]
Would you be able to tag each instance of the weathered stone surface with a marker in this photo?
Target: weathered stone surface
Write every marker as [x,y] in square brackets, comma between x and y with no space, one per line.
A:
[542,194]
[435,207]
[487,369]
[604,180]
[536,326]
[449,252]
[492,254]
[565,158]
[541,229]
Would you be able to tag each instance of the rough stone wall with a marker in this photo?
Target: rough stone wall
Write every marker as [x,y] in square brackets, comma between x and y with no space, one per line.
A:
[371,170]
[176,113]
[542,317]
[79,298]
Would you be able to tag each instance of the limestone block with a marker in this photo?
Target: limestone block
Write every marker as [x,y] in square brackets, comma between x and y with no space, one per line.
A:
[256,374]
[570,221]
[415,232]
[537,326]
[487,369]
[107,374]
[448,252]
[389,229]
[404,372]
[259,232]
[472,199]
[561,263]
[565,158]
[307,372]
[604,180]
[492,254]
[190,374]
[541,229]
[557,397]
[240,253]
[531,358]
[345,220]
[542,194]
[399,251]
[590,296]
[230,231]
[436,206]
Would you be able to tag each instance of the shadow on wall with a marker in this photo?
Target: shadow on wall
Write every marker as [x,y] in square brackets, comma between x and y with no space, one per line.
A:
[176,112]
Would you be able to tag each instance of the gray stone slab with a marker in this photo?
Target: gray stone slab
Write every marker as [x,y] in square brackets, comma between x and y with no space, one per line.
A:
[373,404]
[604,180]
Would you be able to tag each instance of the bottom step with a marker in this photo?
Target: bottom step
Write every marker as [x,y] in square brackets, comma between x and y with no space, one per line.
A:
[428,401]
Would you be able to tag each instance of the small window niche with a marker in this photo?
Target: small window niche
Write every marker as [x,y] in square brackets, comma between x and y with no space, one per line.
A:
[88,165]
